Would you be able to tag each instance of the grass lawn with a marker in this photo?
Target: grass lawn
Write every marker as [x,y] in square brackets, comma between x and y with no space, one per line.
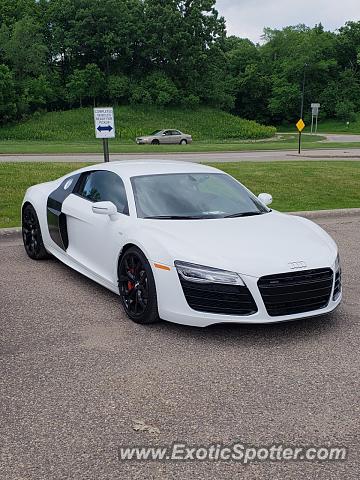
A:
[294,185]
[326,126]
[213,130]
[288,142]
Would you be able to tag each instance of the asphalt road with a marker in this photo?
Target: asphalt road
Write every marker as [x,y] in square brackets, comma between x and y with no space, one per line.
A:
[342,137]
[76,374]
[222,157]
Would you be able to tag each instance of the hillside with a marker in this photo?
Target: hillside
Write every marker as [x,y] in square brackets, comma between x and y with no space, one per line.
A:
[77,125]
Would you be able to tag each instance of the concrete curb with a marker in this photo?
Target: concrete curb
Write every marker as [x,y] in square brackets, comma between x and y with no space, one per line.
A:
[9,231]
[344,212]
[347,153]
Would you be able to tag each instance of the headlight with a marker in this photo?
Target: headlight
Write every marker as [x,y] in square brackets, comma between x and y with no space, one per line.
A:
[337,263]
[201,274]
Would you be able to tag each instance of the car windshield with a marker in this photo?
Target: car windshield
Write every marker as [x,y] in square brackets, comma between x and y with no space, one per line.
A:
[193,196]
[155,133]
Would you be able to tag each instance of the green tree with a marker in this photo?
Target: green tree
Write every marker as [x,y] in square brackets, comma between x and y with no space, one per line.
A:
[118,88]
[251,82]
[103,32]
[167,52]
[25,50]
[37,92]
[7,95]
[162,89]
[88,82]
[285,55]
[179,40]
[12,11]
[348,45]
[345,110]
[77,86]
[95,81]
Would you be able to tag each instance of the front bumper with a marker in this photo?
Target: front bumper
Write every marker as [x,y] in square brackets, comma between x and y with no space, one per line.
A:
[174,307]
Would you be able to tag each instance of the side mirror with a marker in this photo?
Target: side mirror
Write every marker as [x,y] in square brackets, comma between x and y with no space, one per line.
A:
[265,198]
[105,208]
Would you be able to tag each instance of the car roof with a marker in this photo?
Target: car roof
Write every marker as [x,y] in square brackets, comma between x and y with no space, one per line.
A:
[164,130]
[133,168]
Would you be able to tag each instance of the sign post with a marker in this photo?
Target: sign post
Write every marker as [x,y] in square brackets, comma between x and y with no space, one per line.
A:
[104,127]
[314,114]
[300,126]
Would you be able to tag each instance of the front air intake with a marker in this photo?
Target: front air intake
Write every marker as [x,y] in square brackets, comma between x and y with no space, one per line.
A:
[219,298]
[296,292]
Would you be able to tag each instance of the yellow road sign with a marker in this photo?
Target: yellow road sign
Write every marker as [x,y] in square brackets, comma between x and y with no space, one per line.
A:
[300,125]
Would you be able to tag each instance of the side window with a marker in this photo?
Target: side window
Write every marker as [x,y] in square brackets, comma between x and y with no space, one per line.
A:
[176,132]
[167,132]
[103,186]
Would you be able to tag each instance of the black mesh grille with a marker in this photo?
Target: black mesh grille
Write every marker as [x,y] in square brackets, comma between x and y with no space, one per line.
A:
[337,288]
[296,292]
[219,298]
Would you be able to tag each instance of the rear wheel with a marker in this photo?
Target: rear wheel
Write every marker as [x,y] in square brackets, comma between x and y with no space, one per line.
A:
[183,142]
[137,287]
[31,233]
[155,142]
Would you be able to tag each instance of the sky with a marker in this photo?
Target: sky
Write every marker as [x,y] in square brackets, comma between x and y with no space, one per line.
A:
[247,18]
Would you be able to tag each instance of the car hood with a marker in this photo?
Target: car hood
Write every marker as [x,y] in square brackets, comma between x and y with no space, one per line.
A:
[255,246]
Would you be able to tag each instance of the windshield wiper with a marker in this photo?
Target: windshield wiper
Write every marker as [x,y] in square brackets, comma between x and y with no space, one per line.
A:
[243,214]
[174,217]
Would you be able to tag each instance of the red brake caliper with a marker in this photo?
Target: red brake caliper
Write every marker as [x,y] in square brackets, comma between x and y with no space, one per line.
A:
[130,284]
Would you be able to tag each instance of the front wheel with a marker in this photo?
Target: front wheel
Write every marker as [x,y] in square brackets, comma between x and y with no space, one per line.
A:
[137,287]
[183,142]
[155,142]
[31,234]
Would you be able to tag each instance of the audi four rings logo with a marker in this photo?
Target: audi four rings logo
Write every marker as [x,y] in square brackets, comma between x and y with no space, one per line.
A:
[295,265]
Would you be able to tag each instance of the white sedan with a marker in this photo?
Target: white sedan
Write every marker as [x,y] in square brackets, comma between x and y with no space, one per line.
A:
[165,137]
[183,242]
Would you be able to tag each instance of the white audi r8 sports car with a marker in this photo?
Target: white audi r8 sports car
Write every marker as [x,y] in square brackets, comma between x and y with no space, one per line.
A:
[183,242]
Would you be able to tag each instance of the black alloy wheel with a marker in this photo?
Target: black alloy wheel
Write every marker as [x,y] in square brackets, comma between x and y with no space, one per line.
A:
[155,142]
[31,234]
[137,287]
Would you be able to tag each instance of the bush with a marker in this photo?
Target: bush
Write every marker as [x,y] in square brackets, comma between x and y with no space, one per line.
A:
[190,101]
[118,88]
[156,89]
[345,111]
[37,92]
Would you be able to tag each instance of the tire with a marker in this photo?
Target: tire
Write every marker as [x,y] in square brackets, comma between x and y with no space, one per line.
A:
[155,142]
[137,287]
[31,233]
[183,141]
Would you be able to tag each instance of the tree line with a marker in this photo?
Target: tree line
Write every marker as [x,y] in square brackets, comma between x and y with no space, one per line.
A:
[59,54]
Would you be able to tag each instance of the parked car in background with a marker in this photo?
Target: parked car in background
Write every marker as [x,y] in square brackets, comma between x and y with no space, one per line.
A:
[165,137]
